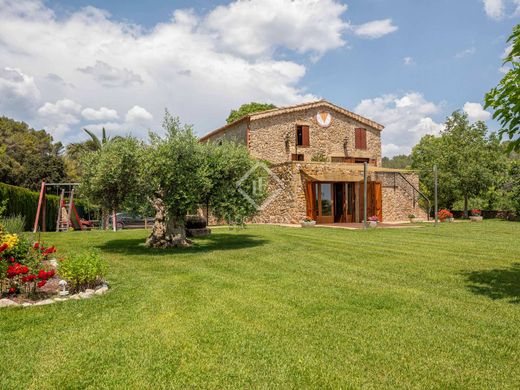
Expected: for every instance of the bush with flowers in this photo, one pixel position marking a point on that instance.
(444, 214)
(476, 213)
(23, 266)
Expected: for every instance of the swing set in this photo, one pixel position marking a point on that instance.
(67, 213)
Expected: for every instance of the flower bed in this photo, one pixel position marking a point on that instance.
(29, 276)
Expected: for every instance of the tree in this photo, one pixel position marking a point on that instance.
(468, 160)
(401, 161)
(249, 108)
(28, 156)
(110, 174)
(75, 152)
(229, 164)
(174, 175)
(504, 99)
(180, 174)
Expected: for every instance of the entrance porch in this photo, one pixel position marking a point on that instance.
(342, 201)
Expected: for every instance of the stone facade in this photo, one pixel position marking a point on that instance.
(290, 206)
(274, 138)
(271, 136)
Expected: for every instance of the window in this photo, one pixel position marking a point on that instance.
(297, 157)
(302, 136)
(361, 138)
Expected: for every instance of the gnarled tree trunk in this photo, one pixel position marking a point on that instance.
(166, 233)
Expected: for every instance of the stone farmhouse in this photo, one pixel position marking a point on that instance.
(317, 151)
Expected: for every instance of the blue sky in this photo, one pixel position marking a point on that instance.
(65, 65)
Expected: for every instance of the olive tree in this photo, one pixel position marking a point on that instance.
(179, 174)
(110, 174)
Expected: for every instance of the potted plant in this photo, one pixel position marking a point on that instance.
(372, 221)
(445, 215)
(307, 222)
(476, 215)
(412, 218)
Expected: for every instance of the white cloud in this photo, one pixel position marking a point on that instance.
(18, 92)
(258, 27)
(498, 9)
(103, 113)
(375, 29)
(408, 61)
(406, 119)
(180, 64)
(138, 114)
(476, 112)
(465, 53)
(60, 115)
(110, 76)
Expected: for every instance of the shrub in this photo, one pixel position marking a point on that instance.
(14, 224)
(319, 157)
(476, 213)
(444, 214)
(373, 218)
(507, 215)
(84, 269)
(195, 222)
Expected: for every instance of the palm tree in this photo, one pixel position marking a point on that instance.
(98, 143)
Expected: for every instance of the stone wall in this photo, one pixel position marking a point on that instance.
(398, 197)
(274, 138)
(236, 133)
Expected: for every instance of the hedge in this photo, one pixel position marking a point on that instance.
(25, 202)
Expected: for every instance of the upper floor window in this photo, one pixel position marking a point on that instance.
(361, 138)
(302, 135)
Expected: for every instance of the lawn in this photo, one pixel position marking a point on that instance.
(275, 307)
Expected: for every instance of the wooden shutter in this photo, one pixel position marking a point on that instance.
(361, 138)
(378, 200)
(305, 136)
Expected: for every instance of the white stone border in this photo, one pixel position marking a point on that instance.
(88, 293)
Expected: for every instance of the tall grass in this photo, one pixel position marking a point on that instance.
(13, 224)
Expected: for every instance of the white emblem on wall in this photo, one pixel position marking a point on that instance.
(323, 118)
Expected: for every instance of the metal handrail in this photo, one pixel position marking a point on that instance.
(419, 192)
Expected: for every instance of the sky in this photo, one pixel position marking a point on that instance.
(407, 64)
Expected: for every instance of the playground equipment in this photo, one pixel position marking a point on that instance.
(67, 213)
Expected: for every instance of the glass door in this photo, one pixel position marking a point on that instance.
(324, 203)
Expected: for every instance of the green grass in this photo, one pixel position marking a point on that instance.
(274, 307)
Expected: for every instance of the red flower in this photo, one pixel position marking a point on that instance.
(24, 269)
(42, 274)
(11, 259)
(48, 251)
(30, 278)
(41, 283)
(12, 290)
(36, 245)
(3, 247)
